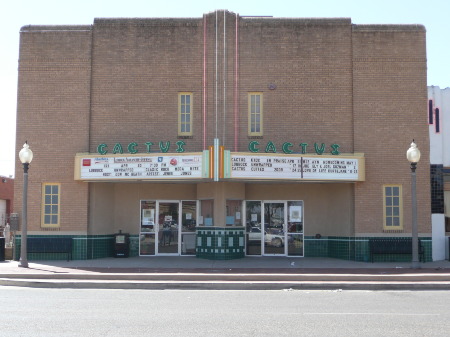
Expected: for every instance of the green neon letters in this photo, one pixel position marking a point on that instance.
(319, 150)
(286, 147)
(270, 148)
(102, 149)
(132, 148)
(118, 148)
(335, 149)
(148, 145)
(253, 146)
(180, 145)
(164, 147)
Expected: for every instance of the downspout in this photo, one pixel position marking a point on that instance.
(224, 75)
(215, 81)
(204, 83)
(236, 83)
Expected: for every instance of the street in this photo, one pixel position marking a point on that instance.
(75, 312)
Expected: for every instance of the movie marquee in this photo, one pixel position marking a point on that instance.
(233, 166)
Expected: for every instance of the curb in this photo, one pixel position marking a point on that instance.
(230, 281)
(226, 285)
(241, 276)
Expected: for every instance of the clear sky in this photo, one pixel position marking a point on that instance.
(433, 14)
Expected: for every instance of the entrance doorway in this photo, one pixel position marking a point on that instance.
(274, 228)
(168, 224)
(167, 227)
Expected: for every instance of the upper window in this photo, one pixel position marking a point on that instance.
(255, 114)
(393, 207)
(185, 114)
(50, 205)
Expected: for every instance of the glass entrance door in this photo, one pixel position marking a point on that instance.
(147, 228)
(295, 228)
(188, 224)
(168, 227)
(274, 228)
(253, 229)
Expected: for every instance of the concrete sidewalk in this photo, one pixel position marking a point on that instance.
(164, 272)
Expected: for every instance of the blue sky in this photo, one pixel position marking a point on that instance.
(433, 14)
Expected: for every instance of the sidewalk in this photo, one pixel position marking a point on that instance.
(274, 273)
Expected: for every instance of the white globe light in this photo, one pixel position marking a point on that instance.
(413, 153)
(26, 155)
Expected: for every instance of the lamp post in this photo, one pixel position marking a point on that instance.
(26, 156)
(413, 155)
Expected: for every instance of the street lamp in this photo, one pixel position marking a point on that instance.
(26, 156)
(413, 155)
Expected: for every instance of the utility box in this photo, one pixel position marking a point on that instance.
(14, 222)
(121, 244)
(2, 249)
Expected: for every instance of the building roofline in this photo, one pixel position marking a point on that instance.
(388, 27)
(54, 28)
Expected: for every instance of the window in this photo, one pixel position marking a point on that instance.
(206, 213)
(185, 114)
(255, 114)
(50, 205)
(233, 213)
(393, 207)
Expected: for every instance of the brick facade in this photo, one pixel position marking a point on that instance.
(389, 100)
(54, 115)
(323, 81)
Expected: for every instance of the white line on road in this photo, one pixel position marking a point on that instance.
(367, 313)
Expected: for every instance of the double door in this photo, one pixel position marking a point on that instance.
(167, 227)
(274, 228)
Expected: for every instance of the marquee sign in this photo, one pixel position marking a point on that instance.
(294, 167)
(150, 167)
(219, 165)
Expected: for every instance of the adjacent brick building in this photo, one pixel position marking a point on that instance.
(6, 199)
(299, 128)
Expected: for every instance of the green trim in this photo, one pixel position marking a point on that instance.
(83, 247)
(220, 243)
(345, 248)
(356, 249)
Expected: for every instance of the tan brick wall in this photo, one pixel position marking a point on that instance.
(389, 104)
(310, 62)
(139, 66)
(53, 115)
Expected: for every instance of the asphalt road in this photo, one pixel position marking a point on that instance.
(93, 312)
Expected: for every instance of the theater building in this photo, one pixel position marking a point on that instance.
(224, 136)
